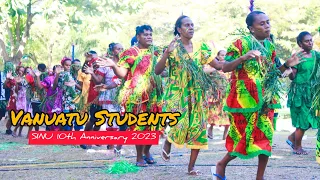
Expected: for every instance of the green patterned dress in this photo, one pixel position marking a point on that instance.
(251, 132)
(318, 147)
(315, 90)
(300, 96)
(184, 95)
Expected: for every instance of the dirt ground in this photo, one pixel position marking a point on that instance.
(18, 160)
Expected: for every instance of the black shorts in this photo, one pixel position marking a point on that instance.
(93, 109)
(123, 127)
(36, 108)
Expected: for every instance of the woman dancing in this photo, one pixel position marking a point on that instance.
(251, 99)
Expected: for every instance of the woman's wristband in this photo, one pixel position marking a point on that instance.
(285, 65)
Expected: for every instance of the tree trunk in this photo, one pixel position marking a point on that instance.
(34, 58)
(18, 44)
(4, 53)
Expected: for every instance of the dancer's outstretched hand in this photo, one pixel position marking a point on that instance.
(105, 62)
(173, 44)
(31, 73)
(100, 87)
(9, 75)
(37, 73)
(88, 69)
(59, 69)
(296, 58)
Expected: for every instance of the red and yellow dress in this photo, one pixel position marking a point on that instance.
(251, 132)
(141, 92)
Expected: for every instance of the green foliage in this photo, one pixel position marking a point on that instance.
(120, 167)
(82, 23)
(93, 24)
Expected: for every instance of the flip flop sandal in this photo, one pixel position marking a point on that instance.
(214, 175)
(290, 144)
(149, 160)
(164, 152)
(142, 164)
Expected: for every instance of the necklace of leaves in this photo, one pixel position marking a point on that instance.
(315, 83)
(200, 78)
(157, 78)
(271, 83)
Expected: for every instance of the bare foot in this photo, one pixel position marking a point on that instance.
(141, 163)
(220, 171)
(194, 172)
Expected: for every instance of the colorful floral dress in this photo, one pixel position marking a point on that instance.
(69, 93)
(107, 99)
(18, 97)
(22, 101)
(75, 78)
(141, 92)
(53, 101)
(315, 90)
(186, 96)
(216, 115)
(251, 132)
